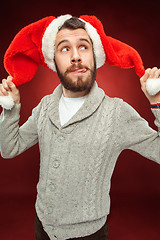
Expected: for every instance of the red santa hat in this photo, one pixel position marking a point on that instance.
(35, 43)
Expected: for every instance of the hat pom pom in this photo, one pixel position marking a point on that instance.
(153, 86)
(7, 102)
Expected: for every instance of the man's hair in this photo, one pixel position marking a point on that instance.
(73, 24)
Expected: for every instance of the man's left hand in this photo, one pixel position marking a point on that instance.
(150, 73)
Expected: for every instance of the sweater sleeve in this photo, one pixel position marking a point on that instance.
(14, 139)
(135, 133)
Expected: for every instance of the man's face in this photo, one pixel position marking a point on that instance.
(75, 60)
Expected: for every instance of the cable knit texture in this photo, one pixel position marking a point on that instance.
(77, 159)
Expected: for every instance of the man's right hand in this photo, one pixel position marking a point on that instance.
(8, 86)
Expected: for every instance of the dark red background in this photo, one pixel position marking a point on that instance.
(135, 191)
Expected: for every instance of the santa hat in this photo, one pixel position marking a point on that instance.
(35, 43)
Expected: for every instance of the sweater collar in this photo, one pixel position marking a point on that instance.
(90, 105)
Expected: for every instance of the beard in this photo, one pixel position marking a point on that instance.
(79, 85)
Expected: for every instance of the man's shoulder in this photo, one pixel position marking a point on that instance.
(118, 103)
(112, 100)
(110, 105)
(53, 96)
(47, 98)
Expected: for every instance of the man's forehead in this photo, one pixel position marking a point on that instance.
(72, 35)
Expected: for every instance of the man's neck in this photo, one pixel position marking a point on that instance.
(70, 94)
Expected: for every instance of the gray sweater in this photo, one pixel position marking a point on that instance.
(77, 159)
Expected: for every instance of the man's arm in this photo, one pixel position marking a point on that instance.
(15, 140)
(135, 133)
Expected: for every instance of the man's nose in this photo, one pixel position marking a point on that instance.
(75, 58)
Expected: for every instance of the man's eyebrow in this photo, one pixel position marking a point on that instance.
(66, 41)
(62, 41)
(85, 39)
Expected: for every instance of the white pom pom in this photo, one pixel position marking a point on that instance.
(6, 102)
(153, 86)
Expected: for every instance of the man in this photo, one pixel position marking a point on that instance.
(81, 133)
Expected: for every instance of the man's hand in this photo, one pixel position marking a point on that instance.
(150, 73)
(8, 86)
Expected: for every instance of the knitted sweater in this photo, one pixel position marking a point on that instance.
(77, 159)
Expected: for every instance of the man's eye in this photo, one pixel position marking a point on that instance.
(83, 47)
(65, 49)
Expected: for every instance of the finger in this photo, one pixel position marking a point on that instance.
(157, 73)
(12, 86)
(9, 78)
(152, 72)
(148, 70)
(5, 85)
(146, 75)
(3, 91)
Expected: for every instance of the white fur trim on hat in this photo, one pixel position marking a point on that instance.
(7, 101)
(97, 44)
(48, 40)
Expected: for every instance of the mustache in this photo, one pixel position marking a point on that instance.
(75, 66)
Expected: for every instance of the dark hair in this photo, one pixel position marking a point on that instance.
(73, 23)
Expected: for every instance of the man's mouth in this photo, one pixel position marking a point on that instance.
(78, 70)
